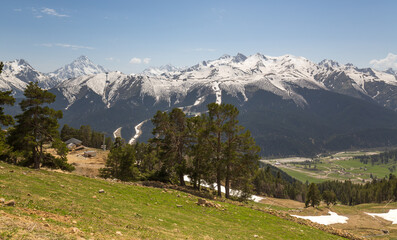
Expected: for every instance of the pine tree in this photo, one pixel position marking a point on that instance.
(313, 196)
(36, 126)
(68, 132)
(329, 197)
(234, 153)
(121, 163)
(198, 151)
(5, 99)
(217, 119)
(172, 138)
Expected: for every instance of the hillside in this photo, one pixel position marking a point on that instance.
(52, 205)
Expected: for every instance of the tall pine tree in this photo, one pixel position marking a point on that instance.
(5, 99)
(36, 126)
(171, 136)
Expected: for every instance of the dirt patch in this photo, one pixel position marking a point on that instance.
(47, 215)
(24, 227)
(287, 203)
(86, 166)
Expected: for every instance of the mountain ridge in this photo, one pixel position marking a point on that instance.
(291, 104)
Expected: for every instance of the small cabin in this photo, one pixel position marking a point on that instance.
(74, 141)
(89, 154)
(73, 144)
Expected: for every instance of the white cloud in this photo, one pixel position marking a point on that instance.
(390, 61)
(146, 60)
(53, 12)
(135, 60)
(64, 45)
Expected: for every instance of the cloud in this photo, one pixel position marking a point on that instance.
(52, 12)
(17, 10)
(65, 45)
(390, 61)
(146, 60)
(135, 60)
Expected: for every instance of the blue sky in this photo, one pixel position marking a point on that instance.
(131, 35)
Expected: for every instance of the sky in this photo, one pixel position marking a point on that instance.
(129, 36)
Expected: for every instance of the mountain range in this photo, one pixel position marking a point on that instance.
(291, 105)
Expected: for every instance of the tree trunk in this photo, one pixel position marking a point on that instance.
(181, 179)
(218, 182)
(194, 182)
(227, 182)
(41, 153)
(36, 159)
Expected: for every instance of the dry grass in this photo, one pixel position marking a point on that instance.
(86, 166)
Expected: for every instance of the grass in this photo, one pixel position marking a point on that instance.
(302, 176)
(53, 205)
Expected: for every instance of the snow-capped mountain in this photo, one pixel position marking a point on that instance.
(156, 71)
(302, 106)
(233, 75)
(391, 71)
(18, 73)
(80, 67)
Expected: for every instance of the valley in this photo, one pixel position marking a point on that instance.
(339, 166)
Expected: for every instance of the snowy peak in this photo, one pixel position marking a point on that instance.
(329, 64)
(391, 71)
(155, 71)
(16, 74)
(79, 67)
(239, 58)
(17, 66)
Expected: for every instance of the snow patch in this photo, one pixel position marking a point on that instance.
(237, 193)
(138, 132)
(117, 133)
(333, 218)
(389, 216)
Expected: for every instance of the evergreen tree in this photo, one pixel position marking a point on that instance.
(234, 153)
(200, 167)
(5, 99)
(313, 196)
(68, 132)
(216, 121)
(85, 134)
(329, 197)
(172, 138)
(121, 163)
(36, 126)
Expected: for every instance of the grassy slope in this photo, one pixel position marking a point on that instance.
(50, 205)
